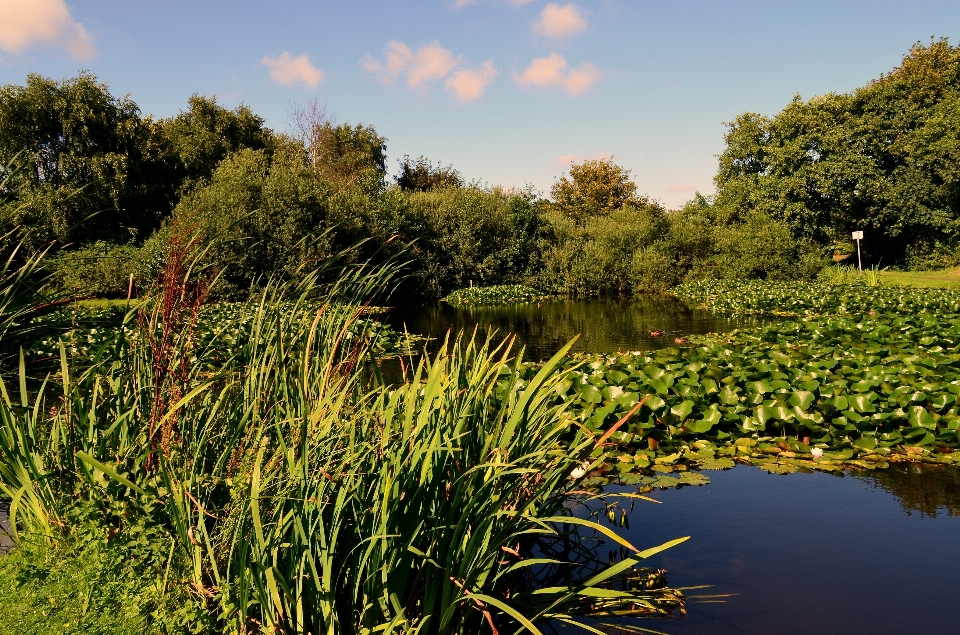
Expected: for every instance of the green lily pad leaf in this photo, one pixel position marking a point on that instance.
(693, 478)
(762, 387)
(762, 414)
(590, 394)
(683, 409)
(729, 397)
(659, 386)
(839, 402)
(802, 399)
(655, 402)
(699, 427)
(719, 463)
(779, 468)
(919, 417)
(611, 393)
(867, 442)
(862, 403)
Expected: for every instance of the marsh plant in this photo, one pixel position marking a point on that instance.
(287, 490)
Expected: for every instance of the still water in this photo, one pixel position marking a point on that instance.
(874, 553)
(604, 325)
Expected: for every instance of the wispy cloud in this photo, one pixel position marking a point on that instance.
(552, 71)
(24, 23)
(468, 84)
(559, 21)
(564, 160)
(682, 187)
(430, 62)
(459, 4)
(288, 70)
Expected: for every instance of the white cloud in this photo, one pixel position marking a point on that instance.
(288, 70)
(468, 84)
(430, 62)
(24, 23)
(559, 21)
(459, 4)
(552, 71)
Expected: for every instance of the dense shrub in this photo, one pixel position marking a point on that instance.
(100, 269)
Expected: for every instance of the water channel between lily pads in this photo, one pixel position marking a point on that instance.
(872, 552)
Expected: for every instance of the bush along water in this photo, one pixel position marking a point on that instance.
(499, 294)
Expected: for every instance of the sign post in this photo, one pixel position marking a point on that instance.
(858, 236)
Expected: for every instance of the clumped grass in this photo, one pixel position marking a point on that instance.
(299, 495)
(499, 294)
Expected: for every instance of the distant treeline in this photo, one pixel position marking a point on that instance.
(86, 172)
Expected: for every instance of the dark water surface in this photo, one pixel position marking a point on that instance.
(604, 325)
(873, 553)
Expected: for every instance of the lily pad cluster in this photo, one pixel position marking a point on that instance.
(801, 298)
(499, 294)
(818, 393)
(220, 325)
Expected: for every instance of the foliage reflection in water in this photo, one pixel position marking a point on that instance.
(604, 325)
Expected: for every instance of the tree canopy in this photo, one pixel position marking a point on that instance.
(884, 158)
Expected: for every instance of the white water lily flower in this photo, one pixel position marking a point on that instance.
(578, 472)
(816, 452)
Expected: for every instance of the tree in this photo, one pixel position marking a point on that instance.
(594, 188)
(883, 158)
(202, 136)
(421, 175)
(93, 162)
(350, 154)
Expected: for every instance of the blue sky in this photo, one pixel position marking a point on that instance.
(507, 91)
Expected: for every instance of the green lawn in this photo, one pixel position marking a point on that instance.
(943, 278)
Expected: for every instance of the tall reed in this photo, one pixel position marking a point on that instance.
(302, 495)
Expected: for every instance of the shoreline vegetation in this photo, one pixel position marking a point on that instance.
(195, 435)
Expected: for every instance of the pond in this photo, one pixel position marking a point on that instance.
(871, 552)
(604, 325)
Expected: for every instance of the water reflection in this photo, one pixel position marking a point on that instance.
(927, 489)
(605, 325)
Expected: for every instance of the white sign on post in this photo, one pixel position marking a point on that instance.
(858, 236)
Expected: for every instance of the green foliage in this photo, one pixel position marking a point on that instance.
(264, 217)
(354, 155)
(297, 492)
(466, 234)
(421, 175)
(95, 586)
(594, 188)
(499, 294)
(872, 388)
(205, 134)
(93, 162)
(653, 270)
(757, 297)
(597, 256)
(100, 269)
(881, 159)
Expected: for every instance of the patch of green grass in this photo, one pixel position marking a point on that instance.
(942, 279)
(93, 588)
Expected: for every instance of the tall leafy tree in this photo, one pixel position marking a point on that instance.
(882, 158)
(92, 161)
(595, 188)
